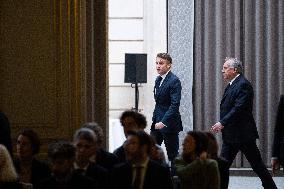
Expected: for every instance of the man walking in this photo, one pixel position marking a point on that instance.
(166, 117)
(238, 127)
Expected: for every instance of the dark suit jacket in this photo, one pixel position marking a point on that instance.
(278, 142)
(156, 177)
(167, 98)
(99, 174)
(120, 153)
(10, 185)
(39, 172)
(236, 112)
(5, 132)
(106, 159)
(74, 181)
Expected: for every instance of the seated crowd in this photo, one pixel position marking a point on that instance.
(139, 163)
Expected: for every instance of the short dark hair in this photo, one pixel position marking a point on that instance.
(34, 139)
(165, 56)
(61, 150)
(139, 118)
(201, 141)
(143, 137)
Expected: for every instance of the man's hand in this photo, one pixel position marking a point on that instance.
(159, 125)
(217, 127)
(274, 165)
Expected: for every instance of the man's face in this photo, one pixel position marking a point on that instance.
(228, 72)
(162, 66)
(61, 167)
(129, 124)
(84, 149)
(133, 151)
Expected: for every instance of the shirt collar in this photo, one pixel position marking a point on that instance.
(76, 166)
(143, 164)
(165, 75)
(234, 79)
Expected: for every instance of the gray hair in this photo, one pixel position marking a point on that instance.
(94, 126)
(235, 63)
(86, 134)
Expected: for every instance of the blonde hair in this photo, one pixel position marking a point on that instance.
(7, 169)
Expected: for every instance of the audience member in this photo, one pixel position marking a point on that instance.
(8, 175)
(5, 133)
(223, 165)
(85, 142)
(102, 157)
(30, 169)
(62, 156)
(193, 168)
(130, 120)
(140, 171)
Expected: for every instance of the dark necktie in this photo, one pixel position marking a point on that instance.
(137, 184)
(159, 79)
(227, 87)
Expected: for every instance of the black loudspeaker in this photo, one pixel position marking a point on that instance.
(135, 68)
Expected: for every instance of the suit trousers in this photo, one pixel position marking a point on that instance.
(251, 151)
(171, 142)
(281, 155)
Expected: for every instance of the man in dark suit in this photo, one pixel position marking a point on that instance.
(278, 143)
(140, 172)
(85, 142)
(238, 127)
(62, 155)
(130, 120)
(102, 157)
(166, 117)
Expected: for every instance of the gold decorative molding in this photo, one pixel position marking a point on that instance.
(54, 65)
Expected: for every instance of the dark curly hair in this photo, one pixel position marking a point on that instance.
(201, 141)
(61, 150)
(34, 139)
(139, 118)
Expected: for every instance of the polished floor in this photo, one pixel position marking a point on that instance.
(245, 182)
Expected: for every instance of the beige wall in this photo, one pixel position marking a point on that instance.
(135, 26)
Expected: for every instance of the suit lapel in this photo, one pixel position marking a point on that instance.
(147, 179)
(159, 89)
(226, 92)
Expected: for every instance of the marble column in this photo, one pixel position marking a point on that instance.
(180, 46)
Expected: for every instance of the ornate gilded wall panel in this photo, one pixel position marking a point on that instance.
(40, 68)
(53, 57)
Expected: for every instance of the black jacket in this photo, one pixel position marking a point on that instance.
(156, 177)
(236, 112)
(40, 171)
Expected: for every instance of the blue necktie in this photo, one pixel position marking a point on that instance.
(159, 79)
(227, 87)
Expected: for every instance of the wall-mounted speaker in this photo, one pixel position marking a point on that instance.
(135, 68)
